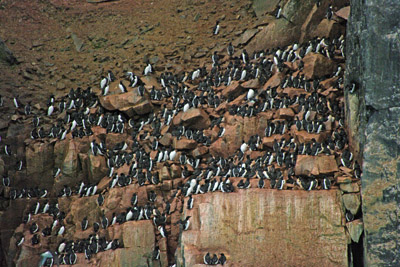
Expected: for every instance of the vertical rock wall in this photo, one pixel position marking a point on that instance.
(254, 227)
(373, 61)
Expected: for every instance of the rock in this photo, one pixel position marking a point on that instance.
(60, 86)
(349, 187)
(355, 229)
(130, 103)
(329, 29)
(39, 165)
(343, 13)
(267, 224)
(271, 36)
(251, 84)
(166, 139)
(27, 76)
(352, 202)
(77, 42)
(315, 165)
(97, 168)
(245, 37)
(185, 144)
(317, 65)
(233, 90)
(6, 55)
(285, 113)
(343, 180)
(196, 118)
(261, 7)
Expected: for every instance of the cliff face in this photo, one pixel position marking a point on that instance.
(281, 228)
(373, 64)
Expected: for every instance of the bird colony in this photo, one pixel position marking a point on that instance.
(190, 112)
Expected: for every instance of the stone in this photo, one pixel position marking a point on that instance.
(261, 7)
(251, 84)
(166, 139)
(245, 37)
(271, 36)
(329, 29)
(77, 42)
(315, 165)
(39, 165)
(196, 118)
(6, 55)
(352, 202)
(317, 65)
(343, 13)
(267, 223)
(343, 180)
(285, 113)
(350, 187)
(185, 144)
(130, 103)
(60, 86)
(233, 90)
(355, 228)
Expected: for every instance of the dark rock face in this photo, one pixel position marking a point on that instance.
(6, 55)
(372, 113)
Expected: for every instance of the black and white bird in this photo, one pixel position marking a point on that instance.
(148, 69)
(184, 223)
(216, 28)
(122, 87)
(230, 49)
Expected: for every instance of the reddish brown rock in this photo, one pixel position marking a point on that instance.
(343, 13)
(233, 90)
(329, 29)
(196, 118)
(317, 65)
(166, 139)
(245, 37)
(271, 35)
(39, 164)
(130, 103)
(285, 113)
(251, 84)
(199, 151)
(184, 144)
(305, 137)
(267, 223)
(343, 180)
(275, 80)
(315, 165)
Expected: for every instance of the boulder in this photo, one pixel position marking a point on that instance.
(329, 29)
(315, 165)
(184, 144)
(245, 37)
(196, 119)
(262, 7)
(352, 202)
(233, 90)
(317, 65)
(343, 13)
(251, 84)
(355, 228)
(6, 55)
(130, 103)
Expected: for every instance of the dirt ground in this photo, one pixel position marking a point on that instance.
(118, 35)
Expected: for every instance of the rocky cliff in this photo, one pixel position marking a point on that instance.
(242, 129)
(372, 65)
